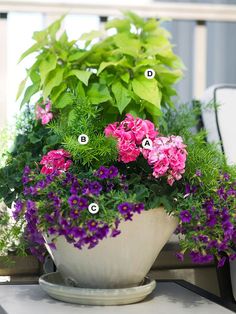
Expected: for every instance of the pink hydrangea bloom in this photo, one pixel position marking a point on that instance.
(44, 114)
(55, 160)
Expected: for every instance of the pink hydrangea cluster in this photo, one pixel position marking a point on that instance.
(167, 157)
(55, 160)
(44, 114)
(130, 133)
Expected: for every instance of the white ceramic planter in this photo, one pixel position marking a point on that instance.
(119, 262)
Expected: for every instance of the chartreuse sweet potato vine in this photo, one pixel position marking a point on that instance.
(110, 72)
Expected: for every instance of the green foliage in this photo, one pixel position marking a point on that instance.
(85, 119)
(111, 71)
(203, 156)
(30, 143)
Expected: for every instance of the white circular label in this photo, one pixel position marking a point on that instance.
(93, 208)
(147, 143)
(149, 73)
(83, 139)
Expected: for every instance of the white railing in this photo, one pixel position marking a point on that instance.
(200, 13)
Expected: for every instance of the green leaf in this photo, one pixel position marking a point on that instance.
(150, 25)
(54, 79)
(47, 65)
(30, 91)
(135, 19)
(127, 44)
(40, 36)
(104, 65)
(32, 49)
(54, 27)
(64, 100)
(98, 93)
(120, 25)
(147, 89)
(88, 37)
(21, 88)
(121, 95)
(33, 138)
(125, 77)
(83, 76)
(56, 92)
(77, 55)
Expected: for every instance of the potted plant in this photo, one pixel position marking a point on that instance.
(122, 176)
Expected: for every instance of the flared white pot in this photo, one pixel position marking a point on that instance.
(118, 262)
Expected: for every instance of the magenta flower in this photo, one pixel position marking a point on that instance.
(44, 113)
(55, 160)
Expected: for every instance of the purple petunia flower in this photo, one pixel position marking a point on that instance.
(203, 238)
(52, 230)
(79, 202)
(185, 216)
(95, 188)
(102, 232)
(128, 216)
(75, 213)
(199, 258)
(138, 208)
(73, 200)
(77, 232)
(52, 246)
(125, 208)
(221, 262)
(102, 173)
(112, 172)
(18, 208)
(49, 218)
(75, 187)
(110, 186)
(198, 173)
(92, 241)
(180, 256)
(115, 233)
(92, 225)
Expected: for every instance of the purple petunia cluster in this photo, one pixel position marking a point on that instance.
(209, 227)
(57, 205)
